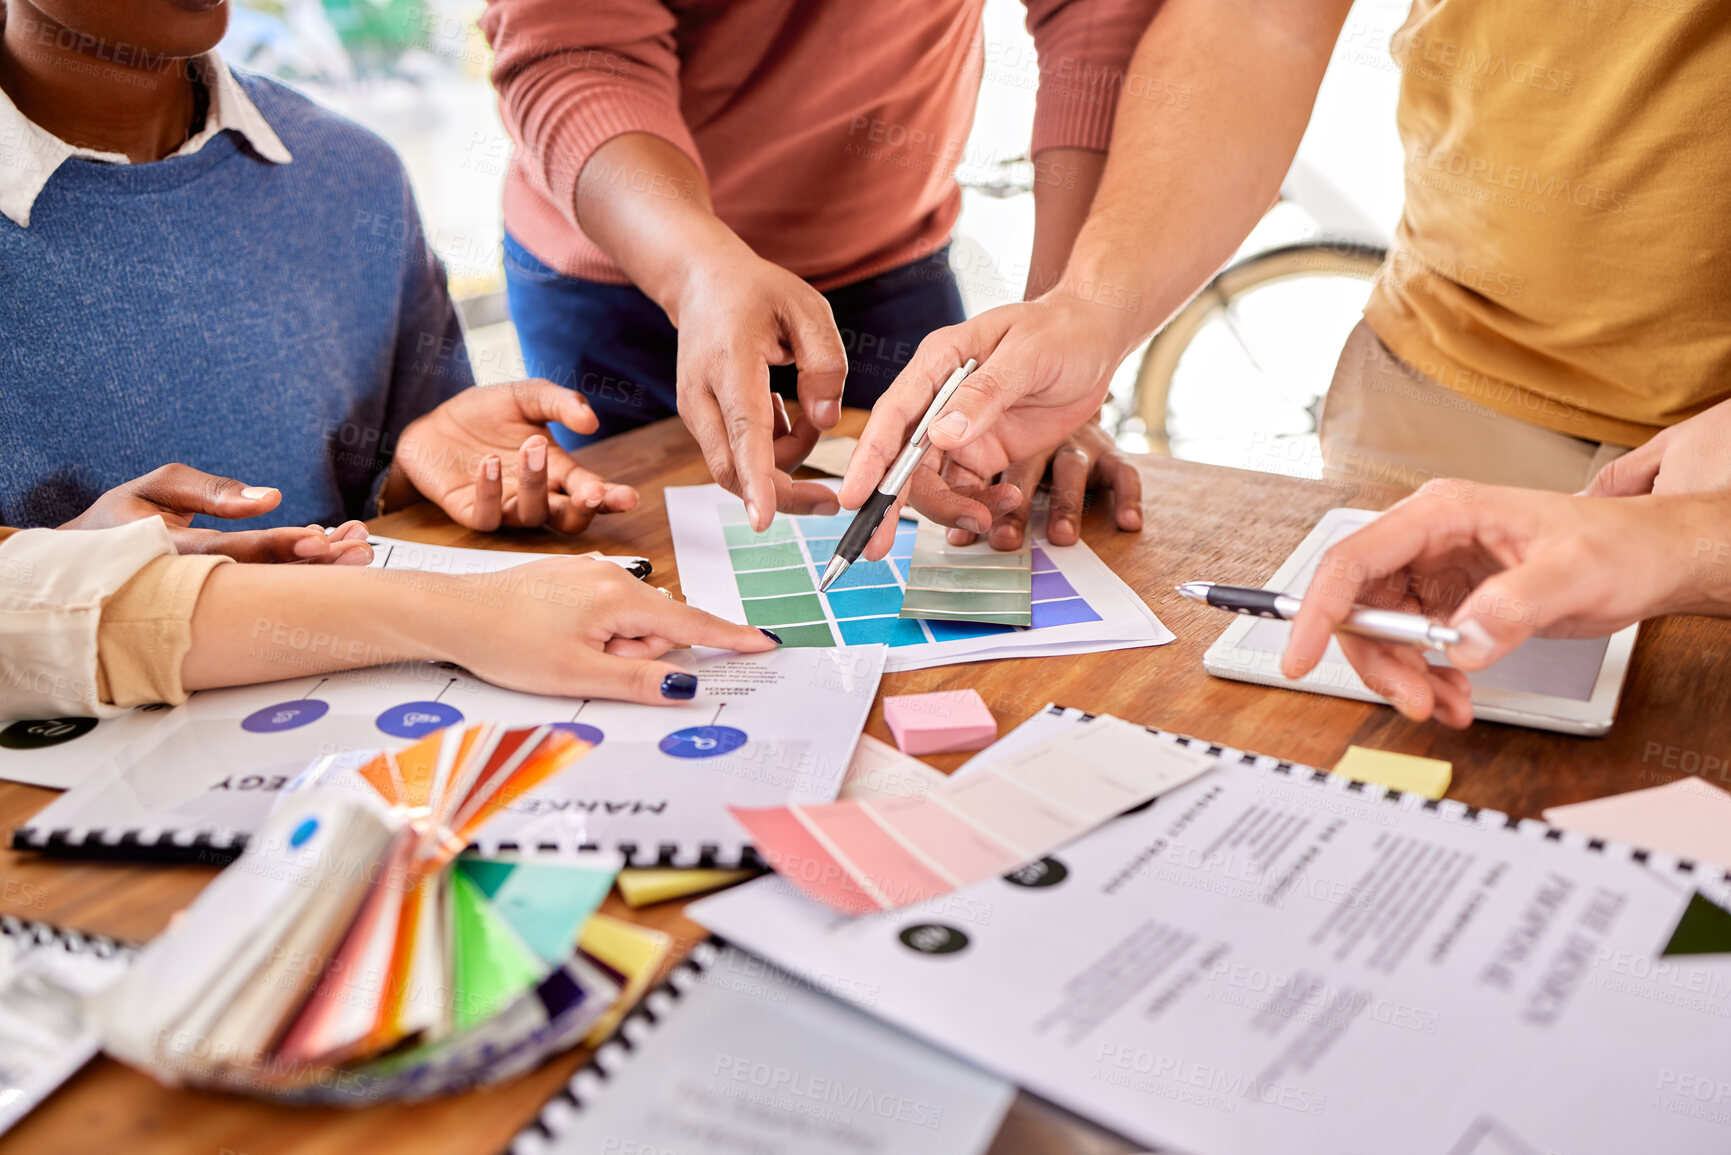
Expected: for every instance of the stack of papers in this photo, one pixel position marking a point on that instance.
(352, 954)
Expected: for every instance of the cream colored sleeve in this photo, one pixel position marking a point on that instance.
(54, 588)
(146, 630)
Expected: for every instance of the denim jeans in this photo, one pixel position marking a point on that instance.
(616, 346)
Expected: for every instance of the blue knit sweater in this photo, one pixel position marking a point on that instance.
(275, 323)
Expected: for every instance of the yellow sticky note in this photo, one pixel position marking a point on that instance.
(1415, 775)
(634, 951)
(645, 885)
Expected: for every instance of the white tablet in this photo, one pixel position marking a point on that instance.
(1570, 685)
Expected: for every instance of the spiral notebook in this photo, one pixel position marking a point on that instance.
(1276, 957)
(46, 974)
(764, 729)
(733, 1054)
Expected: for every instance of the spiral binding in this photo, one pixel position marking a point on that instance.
(642, 1020)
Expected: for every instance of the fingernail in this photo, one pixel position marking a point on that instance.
(952, 425)
(826, 413)
(255, 492)
(537, 457)
(680, 687)
(309, 547)
(1064, 524)
(770, 634)
(969, 524)
(492, 469)
(1475, 645)
(751, 513)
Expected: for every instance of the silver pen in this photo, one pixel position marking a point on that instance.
(1366, 621)
(871, 514)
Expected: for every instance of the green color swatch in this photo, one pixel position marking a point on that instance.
(492, 966)
(770, 582)
(1705, 928)
(785, 610)
(546, 902)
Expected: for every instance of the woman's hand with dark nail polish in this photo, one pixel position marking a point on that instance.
(679, 687)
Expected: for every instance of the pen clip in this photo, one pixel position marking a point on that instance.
(945, 392)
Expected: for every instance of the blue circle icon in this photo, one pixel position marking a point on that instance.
(304, 831)
(417, 719)
(703, 741)
(285, 716)
(581, 731)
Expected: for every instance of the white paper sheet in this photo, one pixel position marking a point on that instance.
(763, 729)
(1080, 605)
(46, 1029)
(395, 553)
(748, 1059)
(1260, 964)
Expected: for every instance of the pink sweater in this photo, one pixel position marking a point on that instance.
(829, 130)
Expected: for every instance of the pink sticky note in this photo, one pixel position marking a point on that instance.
(940, 723)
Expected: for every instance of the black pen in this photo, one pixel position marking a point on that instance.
(871, 514)
(1366, 621)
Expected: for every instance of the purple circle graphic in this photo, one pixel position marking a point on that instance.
(285, 716)
(417, 719)
(581, 731)
(703, 741)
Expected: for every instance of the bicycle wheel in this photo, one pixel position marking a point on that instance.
(1151, 395)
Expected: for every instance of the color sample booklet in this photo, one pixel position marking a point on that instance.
(1079, 606)
(1271, 958)
(764, 729)
(737, 1056)
(351, 956)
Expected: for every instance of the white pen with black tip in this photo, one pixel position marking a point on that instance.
(1365, 621)
(871, 514)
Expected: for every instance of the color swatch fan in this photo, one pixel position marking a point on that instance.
(353, 954)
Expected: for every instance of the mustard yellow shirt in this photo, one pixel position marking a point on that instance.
(1565, 252)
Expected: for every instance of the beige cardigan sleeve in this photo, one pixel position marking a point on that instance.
(94, 621)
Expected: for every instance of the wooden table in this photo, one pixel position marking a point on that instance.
(1202, 521)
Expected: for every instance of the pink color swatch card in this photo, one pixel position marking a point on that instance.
(882, 854)
(1689, 818)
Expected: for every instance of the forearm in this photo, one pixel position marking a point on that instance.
(645, 204)
(1187, 178)
(1703, 545)
(1065, 180)
(257, 623)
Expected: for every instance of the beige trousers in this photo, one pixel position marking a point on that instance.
(1386, 425)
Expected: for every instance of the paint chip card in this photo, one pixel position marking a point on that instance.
(870, 855)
